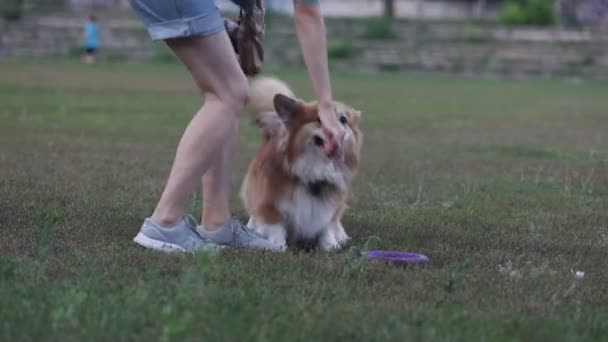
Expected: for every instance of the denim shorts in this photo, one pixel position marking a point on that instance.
(167, 19)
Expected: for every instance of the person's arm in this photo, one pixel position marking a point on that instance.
(310, 28)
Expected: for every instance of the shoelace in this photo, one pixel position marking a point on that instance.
(236, 227)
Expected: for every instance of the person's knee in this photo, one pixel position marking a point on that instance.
(235, 94)
(238, 94)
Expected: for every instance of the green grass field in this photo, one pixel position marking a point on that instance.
(503, 184)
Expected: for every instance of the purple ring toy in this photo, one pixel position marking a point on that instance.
(398, 257)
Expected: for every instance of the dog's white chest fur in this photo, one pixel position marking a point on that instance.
(306, 215)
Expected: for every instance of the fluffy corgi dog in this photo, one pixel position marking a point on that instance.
(295, 190)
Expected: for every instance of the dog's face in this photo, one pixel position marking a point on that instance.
(302, 140)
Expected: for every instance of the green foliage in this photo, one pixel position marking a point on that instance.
(379, 28)
(528, 12)
(11, 9)
(341, 49)
(540, 12)
(512, 14)
(355, 260)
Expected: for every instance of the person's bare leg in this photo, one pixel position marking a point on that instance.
(216, 186)
(213, 65)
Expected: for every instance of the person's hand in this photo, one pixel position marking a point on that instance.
(332, 128)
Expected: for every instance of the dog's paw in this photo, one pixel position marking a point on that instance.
(275, 234)
(328, 241)
(341, 235)
(281, 243)
(260, 231)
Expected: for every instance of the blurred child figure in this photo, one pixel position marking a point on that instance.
(91, 40)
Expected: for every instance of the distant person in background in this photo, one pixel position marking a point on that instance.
(91, 40)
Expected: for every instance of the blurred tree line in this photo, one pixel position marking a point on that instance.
(571, 13)
(528, 12)
(15, 9)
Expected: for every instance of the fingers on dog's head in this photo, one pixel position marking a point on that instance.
(347, 115)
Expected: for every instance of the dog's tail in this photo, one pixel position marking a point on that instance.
(260, 108)
(261, 95)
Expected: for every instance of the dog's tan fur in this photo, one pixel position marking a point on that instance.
(292, 191)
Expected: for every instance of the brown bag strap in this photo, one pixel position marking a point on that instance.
(246, 34)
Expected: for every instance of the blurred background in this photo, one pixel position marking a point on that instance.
(505, 37)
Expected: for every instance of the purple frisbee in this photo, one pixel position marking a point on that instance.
(398, 257)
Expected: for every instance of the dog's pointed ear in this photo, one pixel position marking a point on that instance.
(286, 107)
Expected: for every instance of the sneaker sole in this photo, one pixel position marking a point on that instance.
(156, 245)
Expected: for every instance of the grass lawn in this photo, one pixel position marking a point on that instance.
(502, 184)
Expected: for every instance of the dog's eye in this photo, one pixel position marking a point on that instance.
(318, 140)
(343, 119)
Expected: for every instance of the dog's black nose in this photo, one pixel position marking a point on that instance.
(318, 140)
